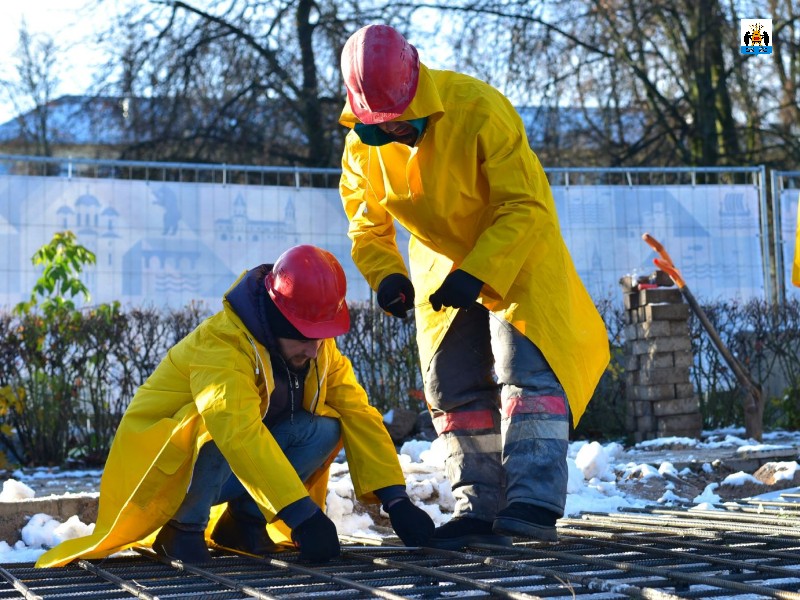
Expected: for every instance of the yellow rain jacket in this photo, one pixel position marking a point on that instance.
(473, 196)
(216, 383)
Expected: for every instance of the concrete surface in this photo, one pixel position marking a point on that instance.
(14, 515)
(748, 461)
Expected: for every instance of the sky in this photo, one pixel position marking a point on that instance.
(68, 23)
(597, 477)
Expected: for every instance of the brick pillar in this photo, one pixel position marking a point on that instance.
(660, 396)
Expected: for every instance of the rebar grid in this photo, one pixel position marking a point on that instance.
(733, 552)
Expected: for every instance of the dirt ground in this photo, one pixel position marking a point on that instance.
(692, 482)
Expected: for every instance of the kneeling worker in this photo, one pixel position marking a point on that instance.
(249, 409)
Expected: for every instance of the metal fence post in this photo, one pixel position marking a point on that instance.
(766, 259)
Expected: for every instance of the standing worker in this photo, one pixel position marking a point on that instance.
(249, 409)
(511, 344)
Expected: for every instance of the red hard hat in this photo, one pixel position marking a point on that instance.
(381, 72)
(308, 286)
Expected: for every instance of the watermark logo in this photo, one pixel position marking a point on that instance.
(755, 36)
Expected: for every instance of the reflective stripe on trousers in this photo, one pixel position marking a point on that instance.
(502, 415)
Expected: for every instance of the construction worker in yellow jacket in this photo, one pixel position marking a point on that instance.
(249, 409)
(511, 344)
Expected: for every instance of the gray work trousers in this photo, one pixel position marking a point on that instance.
(502, 414)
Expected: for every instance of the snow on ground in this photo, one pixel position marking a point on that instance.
(598, 474)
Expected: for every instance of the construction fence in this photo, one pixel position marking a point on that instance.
(785, 195)
(166, 234)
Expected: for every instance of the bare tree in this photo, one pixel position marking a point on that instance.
(621, 82)
(32, 90)
(240, 80)
(604, 82)
(786, 40)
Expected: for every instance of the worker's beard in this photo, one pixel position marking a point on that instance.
(297, 363)
(297, 354)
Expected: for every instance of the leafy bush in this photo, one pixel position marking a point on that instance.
(766, 340)
(384, 354)
(40, 380)
(605, 416)
(68, 374)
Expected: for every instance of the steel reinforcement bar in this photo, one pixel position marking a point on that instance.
(659, 553)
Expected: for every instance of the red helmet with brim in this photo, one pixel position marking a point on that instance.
(308, 286)
(381, 73)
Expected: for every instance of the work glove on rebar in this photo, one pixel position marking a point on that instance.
(396, 295)
(411, 524)
(316, 538)
(459, 290)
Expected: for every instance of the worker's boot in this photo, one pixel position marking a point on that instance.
(465, 531)
(247, 535)
(182, 544)
(528, 521)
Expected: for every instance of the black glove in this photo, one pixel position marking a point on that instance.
(411, 524)
(396, 295)
(316, 538)
(459, 290)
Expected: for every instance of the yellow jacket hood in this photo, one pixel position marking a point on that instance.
(426, 103)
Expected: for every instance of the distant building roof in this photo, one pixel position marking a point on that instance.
(74, 120)
(103, 121)
(543, 123)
